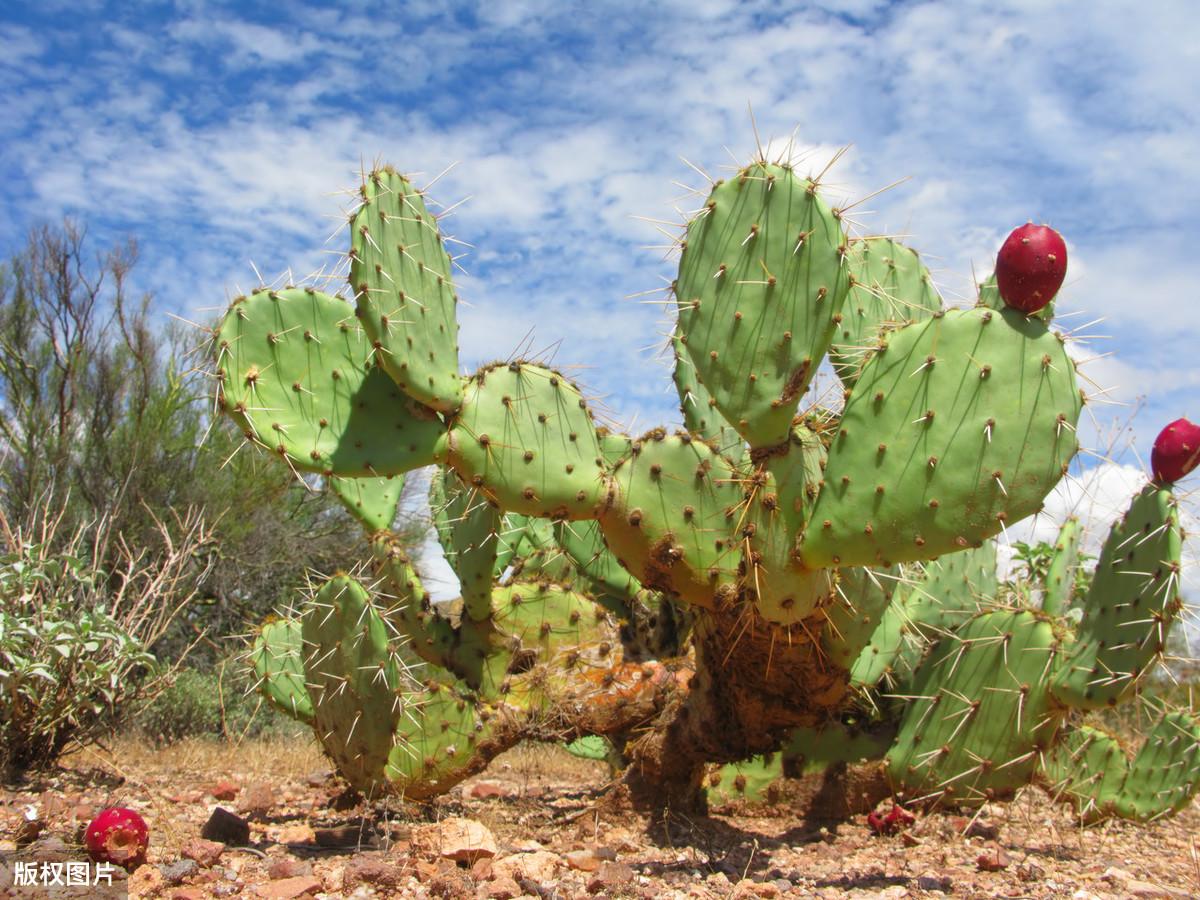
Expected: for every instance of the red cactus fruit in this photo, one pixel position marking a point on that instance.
(1031, 266)
(877, 823)
(1176, 451)
(118, 836)
(896, 820)
(899, 817)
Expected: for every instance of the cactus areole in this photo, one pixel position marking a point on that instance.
(1176, 451)
(118, 836)
(1031, 266)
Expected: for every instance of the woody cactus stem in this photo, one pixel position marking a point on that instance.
(741, 554)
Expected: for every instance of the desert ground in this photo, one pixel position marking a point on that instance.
(540, 824)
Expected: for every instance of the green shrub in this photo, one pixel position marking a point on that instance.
(74, 637)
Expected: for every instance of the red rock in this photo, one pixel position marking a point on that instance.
(224, 790)
(288, 888)
(286, 867)
(257, 801)
(462, 840)
(188, 893)
(204, 852)
(481, 869)
(540, 866)
(374, 872)
(611, 876)
(993, 860)
(502, 888)
(486, 790)
(583, 860)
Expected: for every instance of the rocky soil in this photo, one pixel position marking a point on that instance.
(270, 821)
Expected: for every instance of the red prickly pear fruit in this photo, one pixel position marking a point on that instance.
(1176, 451)
(118, 836)
(1031, 266)
(899, 817)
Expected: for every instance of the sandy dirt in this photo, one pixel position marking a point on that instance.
(537, 825)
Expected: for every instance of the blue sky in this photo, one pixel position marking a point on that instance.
(218, 134)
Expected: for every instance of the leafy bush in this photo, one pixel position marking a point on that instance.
(75, 638)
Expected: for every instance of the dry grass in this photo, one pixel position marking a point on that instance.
(266, 759)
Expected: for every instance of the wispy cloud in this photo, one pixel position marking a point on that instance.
(217, 136)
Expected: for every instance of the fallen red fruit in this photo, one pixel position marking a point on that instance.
(899, 817)
(896, 820)
(1176, 451)
(118, 836)
(1031, 266)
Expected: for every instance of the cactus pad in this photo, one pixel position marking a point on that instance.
(890, 287)
(525, 438)
(1060, 576)
(296, 367)
(761, 283)
(437, 738)
(278, 659)
(401, 276)
(372, 501)
(958, 425)
(356, 681)
(981, 715)
(1133, 599)
(670, 516)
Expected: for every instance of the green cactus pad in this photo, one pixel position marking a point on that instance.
(860, 601)
(980, 714)
(278, 659)
(1087, 767)
(962, 423)
(546, 618)
(1165, 774)
(953, 588)
(699, 410)
(761, 282)
(671, 511)
(779, 497)
(934, 600)
(525, 438)
(590, 746)
(807, 750)
(355, 679)
(437, 738)
(512, 530)
(876, 659)
(891, 287)
(1131, 604)
(296, 367)
(584, 544)
(401, 276)
(1060, 576)
(372, 501)
(468, 526)
(755, 781)
(408, 612)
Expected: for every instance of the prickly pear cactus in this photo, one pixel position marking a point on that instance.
(774, 569)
